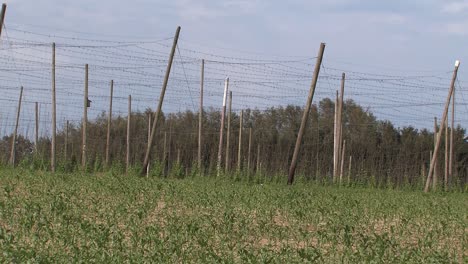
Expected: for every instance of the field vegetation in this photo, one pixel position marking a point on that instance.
(110, 217)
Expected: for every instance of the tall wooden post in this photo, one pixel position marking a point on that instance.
(436, 166)
(228, 137)
(200, 118)
(335, 140)
(127, 159)
(36, 134)
(446, 167)
(221, 129)
(161, 99)
(439, 136)
(54, 114)
(249, 151)
(342, 161)
(66, 141)
(15, 132)
(450, 173)
(85, 121)
(2, 17)
(340, 122)
(292, 169)
(109, 123)
(239, 150)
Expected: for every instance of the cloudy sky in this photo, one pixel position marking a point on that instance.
(386, 37)
(409, 34)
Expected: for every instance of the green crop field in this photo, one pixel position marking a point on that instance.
(109, 218)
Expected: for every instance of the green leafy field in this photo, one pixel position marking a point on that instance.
(106, 218)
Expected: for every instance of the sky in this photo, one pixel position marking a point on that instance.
(407, 34)
(384, 37)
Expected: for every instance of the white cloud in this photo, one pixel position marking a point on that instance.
(455, 7)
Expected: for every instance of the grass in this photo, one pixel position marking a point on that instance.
(105, 218)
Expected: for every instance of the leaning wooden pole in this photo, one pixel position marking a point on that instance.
(85, 121)
(446, 169)
(2, 17)
(200, 118)
(54, 115)
(221, 129)
(15, 132)
(109, 123)
(439, 135)
(127, 158)
(228, 136)
(452, 125)
(292, 169)
(161, 99)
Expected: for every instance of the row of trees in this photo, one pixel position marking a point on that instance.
(381, 153)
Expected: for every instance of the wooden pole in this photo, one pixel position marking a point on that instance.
(446, 168)
(36, 134)
(340, 122)
(444, 116)
(239, 151)
(450, 173)
(221, 129)
(161, 99)
(54, 114)
(342, 161)
(335, 140)
(15, 132)
(200, 118)
(109, 123)
(436, 166)
(85, 120)
(349, 169)
(249, 151)
(2, 17)
(228, 137)
(127, 159)
(292, 169)
(149, 136)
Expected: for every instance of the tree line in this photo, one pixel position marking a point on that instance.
(380, 153)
